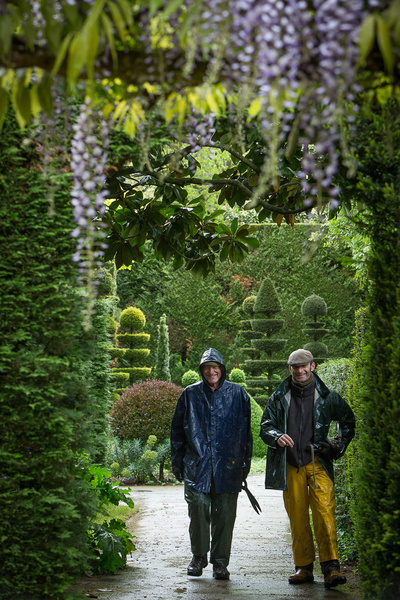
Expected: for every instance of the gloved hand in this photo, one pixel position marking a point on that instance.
(178, 474)
(333, 449)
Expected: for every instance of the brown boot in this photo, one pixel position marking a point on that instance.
(301, 576)
(333, 579)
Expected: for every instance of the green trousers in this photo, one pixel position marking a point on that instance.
(211, 512)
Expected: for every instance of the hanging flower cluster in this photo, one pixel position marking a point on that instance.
(88, 162)
(201, 129)
(299, 58)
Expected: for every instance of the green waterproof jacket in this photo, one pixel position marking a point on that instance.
(328, 407)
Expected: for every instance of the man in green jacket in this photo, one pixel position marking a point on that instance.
(295, 426)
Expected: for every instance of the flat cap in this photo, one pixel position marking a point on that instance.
(300, 357)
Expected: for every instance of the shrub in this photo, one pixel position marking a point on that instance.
(238, 376)
(190, 377)
(132, 320)
(54, 383)
(259, 448)
(145, 409)
(140, 461)
(313, 307)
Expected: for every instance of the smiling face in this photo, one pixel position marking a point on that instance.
(212, 373)
(300, 373)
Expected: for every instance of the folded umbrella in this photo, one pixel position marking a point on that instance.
(253, 500)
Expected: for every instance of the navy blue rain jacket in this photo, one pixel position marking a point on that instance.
(211, 433)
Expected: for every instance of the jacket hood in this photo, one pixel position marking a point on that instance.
(212, 355)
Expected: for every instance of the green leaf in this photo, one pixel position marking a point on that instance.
(234, 225)
(385, 45)
(4, 102)
(250, 241)
(367, 36)
(118, 20)
(93, 45)
(154, 6)
(110, 36)
(45, 95)
(224, 252)
(21, 102)
(62, 52)
(126, 11)
(172, 7)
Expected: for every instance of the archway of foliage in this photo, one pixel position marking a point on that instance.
(290, 71)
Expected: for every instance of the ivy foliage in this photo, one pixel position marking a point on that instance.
(52, 399)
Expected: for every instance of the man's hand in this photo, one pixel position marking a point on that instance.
(285, 440)
(178, 474)
(332, 450)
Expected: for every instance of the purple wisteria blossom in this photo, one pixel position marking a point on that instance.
(88, 162)
(299, 58)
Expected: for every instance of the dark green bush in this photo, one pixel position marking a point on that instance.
(53, 383)
(145, 409)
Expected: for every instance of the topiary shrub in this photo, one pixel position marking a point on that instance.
(132, 319)
(190, 377)
(238, 376)
(314, 306)
(145, 409)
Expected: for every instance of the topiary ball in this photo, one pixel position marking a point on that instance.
(314, 306)
(132, 319)
(238, 376)
(145, 409)
(317, 349)
(190, 377)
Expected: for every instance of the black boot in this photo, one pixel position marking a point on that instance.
(196, 565)
(220, 571)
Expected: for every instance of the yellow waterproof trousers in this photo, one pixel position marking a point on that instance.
(300, 495)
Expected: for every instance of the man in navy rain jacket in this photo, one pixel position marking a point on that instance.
(211, 448)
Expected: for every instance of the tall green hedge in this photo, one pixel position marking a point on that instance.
(378, 479)
(50, 410)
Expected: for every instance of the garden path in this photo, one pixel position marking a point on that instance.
(260, 563)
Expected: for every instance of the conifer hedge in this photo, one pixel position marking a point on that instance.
(50, 410)
(377, 484)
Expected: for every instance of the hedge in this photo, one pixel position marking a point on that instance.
(52, 399)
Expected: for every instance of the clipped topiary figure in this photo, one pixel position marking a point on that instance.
(161, 368)
(132, 320)
(238, 376)
(265, 325)
(314, 308)
(190, 377)
(145, 409)
(130, 348)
